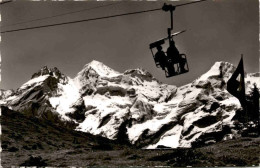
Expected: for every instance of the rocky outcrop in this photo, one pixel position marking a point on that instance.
(4, 94)
(32, 98)
(54, 72)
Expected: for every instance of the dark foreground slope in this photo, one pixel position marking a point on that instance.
(24, 136)
(29, 141)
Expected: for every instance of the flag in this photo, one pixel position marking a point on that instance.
(236, 84)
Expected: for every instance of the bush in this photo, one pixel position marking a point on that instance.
(134, 157)
(233, 160)
(126, 152)
(102, 147)
(34, 161)
(4, 146)
(180, 157)
(13, 149)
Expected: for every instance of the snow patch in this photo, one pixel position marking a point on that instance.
(37, 80)
(169, 139)
(69, 95)
(101, 69)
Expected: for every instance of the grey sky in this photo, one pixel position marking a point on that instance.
(219, 30)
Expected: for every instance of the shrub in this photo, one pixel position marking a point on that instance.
(34, 161)
(13, 149)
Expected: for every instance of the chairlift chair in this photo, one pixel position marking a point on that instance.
(175, 68)
(172, 68)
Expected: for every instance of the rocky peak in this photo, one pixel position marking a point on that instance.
(87, 79)
(219, 70)
(140, 73)
(54, 72)
(96, 68)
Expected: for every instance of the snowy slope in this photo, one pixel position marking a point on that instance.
(183, 122)
(113, 98)
(250, 80)
(133, 106)
(33, 97)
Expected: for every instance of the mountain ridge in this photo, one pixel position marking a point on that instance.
(134, 106)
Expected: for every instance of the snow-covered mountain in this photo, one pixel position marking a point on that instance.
(133, 106)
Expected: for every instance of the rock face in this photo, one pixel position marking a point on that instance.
(4, 94)
(32, 98)
(133, 106)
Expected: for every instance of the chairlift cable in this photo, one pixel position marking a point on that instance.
(97, 18)
(189, 3)
(78, 21)
(62, 14)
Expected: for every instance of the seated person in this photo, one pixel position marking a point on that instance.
(161, 57)
(175, 57)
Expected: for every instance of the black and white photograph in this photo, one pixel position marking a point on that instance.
(129, 83)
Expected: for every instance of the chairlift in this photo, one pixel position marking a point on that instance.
(172, 67)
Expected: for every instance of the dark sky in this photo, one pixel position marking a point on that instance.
(219, 30)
